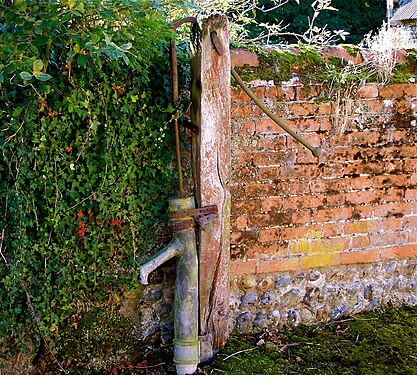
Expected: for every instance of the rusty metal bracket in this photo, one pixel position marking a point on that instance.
(195, 212)
(217, 43)
(201, 216)
(178, 226)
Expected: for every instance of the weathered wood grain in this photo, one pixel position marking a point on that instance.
(211, 149)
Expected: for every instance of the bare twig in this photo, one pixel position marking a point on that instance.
(239, 352)
(1, 247)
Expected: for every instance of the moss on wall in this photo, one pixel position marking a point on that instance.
(314, 65)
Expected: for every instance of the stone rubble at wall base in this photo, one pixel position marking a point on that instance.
(319, 295)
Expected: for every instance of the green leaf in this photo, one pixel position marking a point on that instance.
(82, 61)
(26, 76)
(43, 77)
(37, 66)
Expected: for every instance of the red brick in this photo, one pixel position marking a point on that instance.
(326, 124)
(273, 142)
(399, 252)
(303, 202)
(244, 238)
(324, 109)
(335, 199)
(368, 90)
(393, 223)
(314, 139)
(240, 222)
(408, 151)
(384, 181)
(244, 174)
(375, 106)
(297, 172)
(242, 159)
(392, 195)
(333, 214)
(300, 232)
(359, 242)
(270, 220)
(299, 187)
(242, 267)
(267, 189)
(362, 197)
(360, 257)
(402, 106)
(270, 235)
(269, 126)
(334, 170)
(272, 204)
(410, 221)
(389, 238)
(332, 229)
(397, 90)
(318, 186)
(278, 265)
(394, 166)
(337, 244)
(309, 124)
(265, 251)
(302, 109)
(411, 194)
(308, 92)
(410, 165)
(238, 192)
(243, 111)
(301, 217)
(357, 227)
(272, 158)
(269, 173)
(241, 57)
(246, 207)
(401, 136)
(391, 209)
(361, 182)
(248, 127)
(238, 95)
(362, 212)
(365, 138)
(304, 156)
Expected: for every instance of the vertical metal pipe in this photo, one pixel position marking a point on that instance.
(175, 98)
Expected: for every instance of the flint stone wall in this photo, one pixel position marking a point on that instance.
(316, 295)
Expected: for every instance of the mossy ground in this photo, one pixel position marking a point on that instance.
(379, 342)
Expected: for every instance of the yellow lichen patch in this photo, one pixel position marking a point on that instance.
(314, 243)
(300, 246)
(319, 260)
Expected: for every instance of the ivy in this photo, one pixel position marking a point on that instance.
(85, 153)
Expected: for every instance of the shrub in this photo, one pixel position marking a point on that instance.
(84, 157)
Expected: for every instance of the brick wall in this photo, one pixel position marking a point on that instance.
(355, 204)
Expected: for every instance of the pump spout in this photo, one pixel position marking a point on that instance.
(171, 250)
(183, 246)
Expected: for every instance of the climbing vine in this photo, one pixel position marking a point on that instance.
(85, 153)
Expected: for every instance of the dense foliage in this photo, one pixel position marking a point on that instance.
(358, 17)
(84, 157)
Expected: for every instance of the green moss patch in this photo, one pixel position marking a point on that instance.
(379, 342)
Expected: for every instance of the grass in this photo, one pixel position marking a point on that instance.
(379, 342)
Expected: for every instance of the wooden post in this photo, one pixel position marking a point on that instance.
(210, 111)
